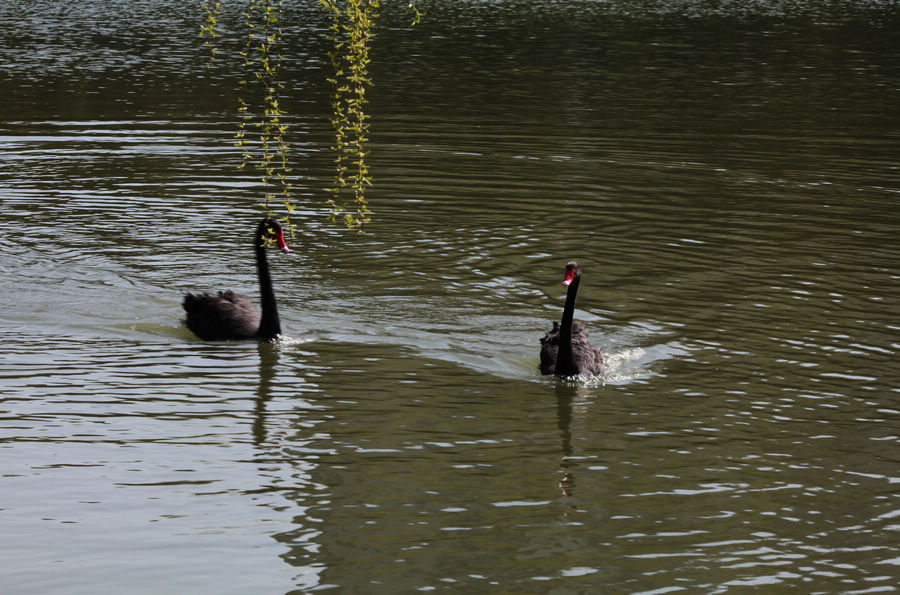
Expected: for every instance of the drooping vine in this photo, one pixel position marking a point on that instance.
(415, 14)
(259, 109)
(261, 134)
(351, 33)
(208, 28)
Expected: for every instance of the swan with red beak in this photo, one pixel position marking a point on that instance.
(230, 316)
(565, 349)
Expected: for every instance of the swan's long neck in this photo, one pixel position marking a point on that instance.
(269, 324)
(565, 360)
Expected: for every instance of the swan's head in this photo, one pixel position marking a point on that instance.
(573, 272)
(271, 230)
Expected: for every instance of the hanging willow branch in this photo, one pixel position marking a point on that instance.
(267, 149)
(208, 28)
(261, 134)
(415, 15)
(351, 33)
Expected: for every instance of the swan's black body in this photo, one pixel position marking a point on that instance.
(231, 316)
(565, 349)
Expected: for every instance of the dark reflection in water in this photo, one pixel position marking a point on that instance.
(726, 173)
(564, 396)
(268, 363)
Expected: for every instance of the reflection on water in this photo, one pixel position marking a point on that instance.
(725, 173)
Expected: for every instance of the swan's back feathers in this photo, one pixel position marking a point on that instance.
(588, 359)
(228, 315)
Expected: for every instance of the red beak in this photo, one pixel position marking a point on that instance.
(282, 245)
(570, 276)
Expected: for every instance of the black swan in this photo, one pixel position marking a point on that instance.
(231, 316)
(565, 349)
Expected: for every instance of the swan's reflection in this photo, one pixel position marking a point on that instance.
(568, 396)
(268, 361)
(283, 470)
(565, 394)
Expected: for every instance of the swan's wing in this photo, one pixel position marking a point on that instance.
(579, 331)
(227, 315)
(552, 336)
(549, 350)
(238, 314)
(588, 358)
(238, 299)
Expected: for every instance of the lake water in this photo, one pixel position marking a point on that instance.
(726, 173)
